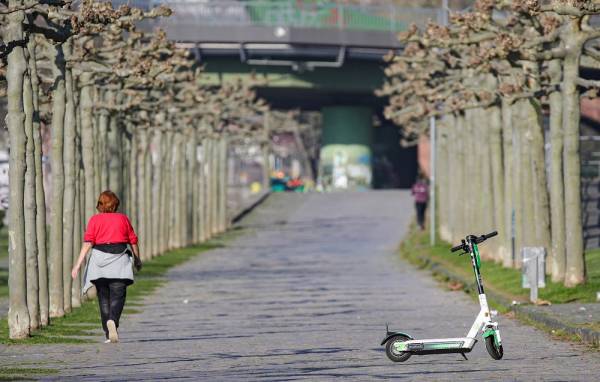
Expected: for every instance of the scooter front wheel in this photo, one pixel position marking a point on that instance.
(495, 351)
(392, 353)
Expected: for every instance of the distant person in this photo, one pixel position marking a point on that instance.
(420, 191)
(111, 238)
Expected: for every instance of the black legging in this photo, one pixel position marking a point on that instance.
(111, 298)
(421, 207)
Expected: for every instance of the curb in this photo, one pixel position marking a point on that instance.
(586, 335)
(239, 215)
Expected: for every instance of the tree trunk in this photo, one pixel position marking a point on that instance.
(56, 209)
(223, 172)
(575, 265)
(18, 315)
(77, 231)
(509, 206)
(202, 194)
(167, 210)
(181, 205)
(541, 207)
(460, 215)
(557, 205)
(158, 189)
(266, 146)
(29, 199)
(104, 120)
(214, 181)
(497, 171)
(472, 200)
(192, 165)
(70, 131)
(443, 172)
(40, 196)
(86, 103)
(133, 202)
(520, 173)
(176, 184)
(142, 151)
(206, 144)
(115, 151)
(148, 195)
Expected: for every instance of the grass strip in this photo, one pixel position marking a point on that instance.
(504, 282)
(83, 322)
(23, 373)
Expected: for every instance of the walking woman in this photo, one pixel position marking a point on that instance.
(111, 238)
(420, 191)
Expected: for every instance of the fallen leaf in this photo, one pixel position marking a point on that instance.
(455, 285)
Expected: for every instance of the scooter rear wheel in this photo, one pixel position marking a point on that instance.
(392, 353)
(495, 351)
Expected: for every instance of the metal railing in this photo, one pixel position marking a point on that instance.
(294, 13)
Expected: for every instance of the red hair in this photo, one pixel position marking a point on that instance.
(107, 202)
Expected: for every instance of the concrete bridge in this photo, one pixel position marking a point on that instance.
(310, 55)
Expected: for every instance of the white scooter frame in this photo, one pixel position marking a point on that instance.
(400, 346)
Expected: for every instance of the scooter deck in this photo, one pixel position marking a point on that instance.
(438, 346)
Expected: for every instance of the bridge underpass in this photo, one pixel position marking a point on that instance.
(326, 58)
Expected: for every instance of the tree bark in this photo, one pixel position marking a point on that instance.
(40, 196)
(158, 189)
(214, 181)
(443, 176)
(557, 206)
(167, 201)
(115, 151)
(70, 130)
(202, 193)
(192, 165)
(86, 103)
(148, 195)
(30, 206)
(508, 163)
(18, 315)
(142, 152)
(55, 269)
(575, 265)
(77, 230)
(460, 214)
(541, 206)
(520, 187)
(223, 171)
(497, 171)
(486, 210)
(133, 179)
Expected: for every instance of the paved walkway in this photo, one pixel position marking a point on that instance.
(305, 294)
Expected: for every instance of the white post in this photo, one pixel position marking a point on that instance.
(432, 185)
(445, 11)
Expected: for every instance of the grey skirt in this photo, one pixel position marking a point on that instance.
(103, 265)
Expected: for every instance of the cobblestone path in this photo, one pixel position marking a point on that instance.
(304, 294)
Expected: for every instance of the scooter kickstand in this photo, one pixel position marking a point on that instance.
(464, 356)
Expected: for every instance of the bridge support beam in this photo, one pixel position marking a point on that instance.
(345, 162)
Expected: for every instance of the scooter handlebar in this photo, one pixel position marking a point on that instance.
(458, 247)
(483, 238)
(478, 240)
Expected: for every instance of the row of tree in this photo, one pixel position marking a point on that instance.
(126, 112)
(491, 77)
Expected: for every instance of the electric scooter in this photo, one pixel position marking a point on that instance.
(400, 346)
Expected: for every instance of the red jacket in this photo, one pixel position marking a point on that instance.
(110, 228)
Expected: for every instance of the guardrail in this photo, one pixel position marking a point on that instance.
(294, 13)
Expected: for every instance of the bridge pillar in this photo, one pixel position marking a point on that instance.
(345, 161)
